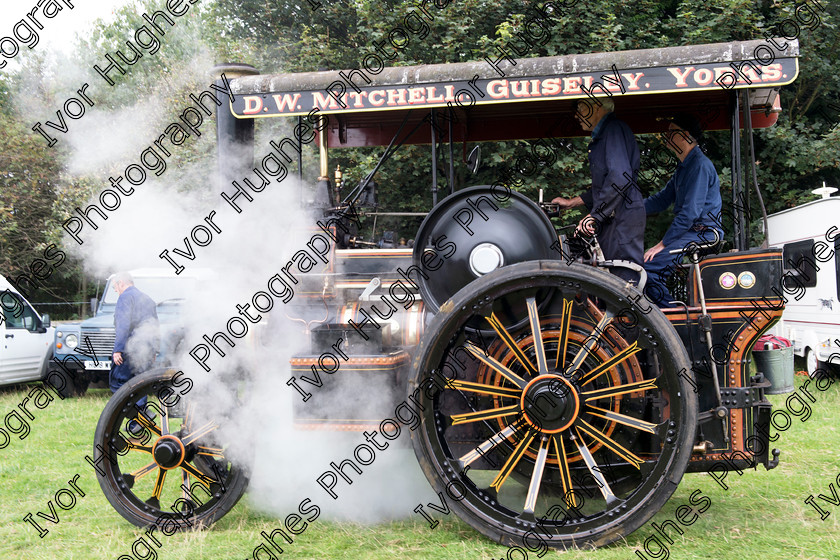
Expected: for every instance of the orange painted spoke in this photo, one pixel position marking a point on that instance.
(510, 343)
(146, 423)
(539, 349)
(187, 416)
(608, 392)
(495, 440)
(594, 470)
(205, 429)
(609, 364)
(610, 443)
(565, 476)
(484, 389)
(139, 473)
(592, 340)
(512, 461)
(622, 419)
(202, 478)
(130, 443)
(159, 484)
(563, 341)
(496, 366)
(485, 414)
(536, 476)
(211, 451)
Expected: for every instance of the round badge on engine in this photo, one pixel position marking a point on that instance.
(485, 258)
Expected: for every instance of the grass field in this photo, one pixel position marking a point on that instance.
(761, 516)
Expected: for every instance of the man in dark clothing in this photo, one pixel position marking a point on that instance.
(694, 190)
(137, 332)
(616, 210)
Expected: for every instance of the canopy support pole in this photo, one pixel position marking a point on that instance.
(234, 137)
(738, 218)
(451, 158)
(434, 158)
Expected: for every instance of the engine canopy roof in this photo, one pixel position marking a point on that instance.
(535, 98)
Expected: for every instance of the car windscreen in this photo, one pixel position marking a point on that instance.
(159, 289)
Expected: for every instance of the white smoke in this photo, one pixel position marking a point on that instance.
(251, 248)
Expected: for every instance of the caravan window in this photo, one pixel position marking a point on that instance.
(798, 260)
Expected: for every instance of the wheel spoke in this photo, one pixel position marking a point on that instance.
(563, 341)
(495, 365)
(539, 349)
(211, 451)
(622, 419)
(202, 478)
(489, 444)
(185, 485)
(159, 484)
(164, 421)
(608, 392)
(131, 443)
(485, 414)
(609, 364)
(565, 475)
(536, 476)
(205, 429)
(139, 473)
(494, 390)
(512, 461)
(616, 447)
(594, 470)
(188, 415)
(146, 423)
(593, 339)
(510, 343)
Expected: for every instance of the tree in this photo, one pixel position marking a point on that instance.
(28, 183)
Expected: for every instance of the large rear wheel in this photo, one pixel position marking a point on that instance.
(571, 424)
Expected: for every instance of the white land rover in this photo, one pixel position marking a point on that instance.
(26, 335)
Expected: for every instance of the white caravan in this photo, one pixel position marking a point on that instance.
(809, 234)
(26, 337)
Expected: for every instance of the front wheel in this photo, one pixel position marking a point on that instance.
(158, 459)
(572, 429)
(67, 382)
(814, 365)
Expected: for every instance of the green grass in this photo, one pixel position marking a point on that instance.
(762, 515)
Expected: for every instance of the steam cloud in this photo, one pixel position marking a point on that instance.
(251, 248)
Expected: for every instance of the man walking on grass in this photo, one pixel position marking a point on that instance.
(137, 332)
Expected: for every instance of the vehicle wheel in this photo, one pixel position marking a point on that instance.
(813, 364)
(573, 429)
(80, 386)
(67, 383)
(158, 461)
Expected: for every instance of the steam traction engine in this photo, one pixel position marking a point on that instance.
(553, 394)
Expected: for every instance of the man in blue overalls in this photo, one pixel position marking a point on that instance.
(616, 210)
(694, 191)
(137, 332)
